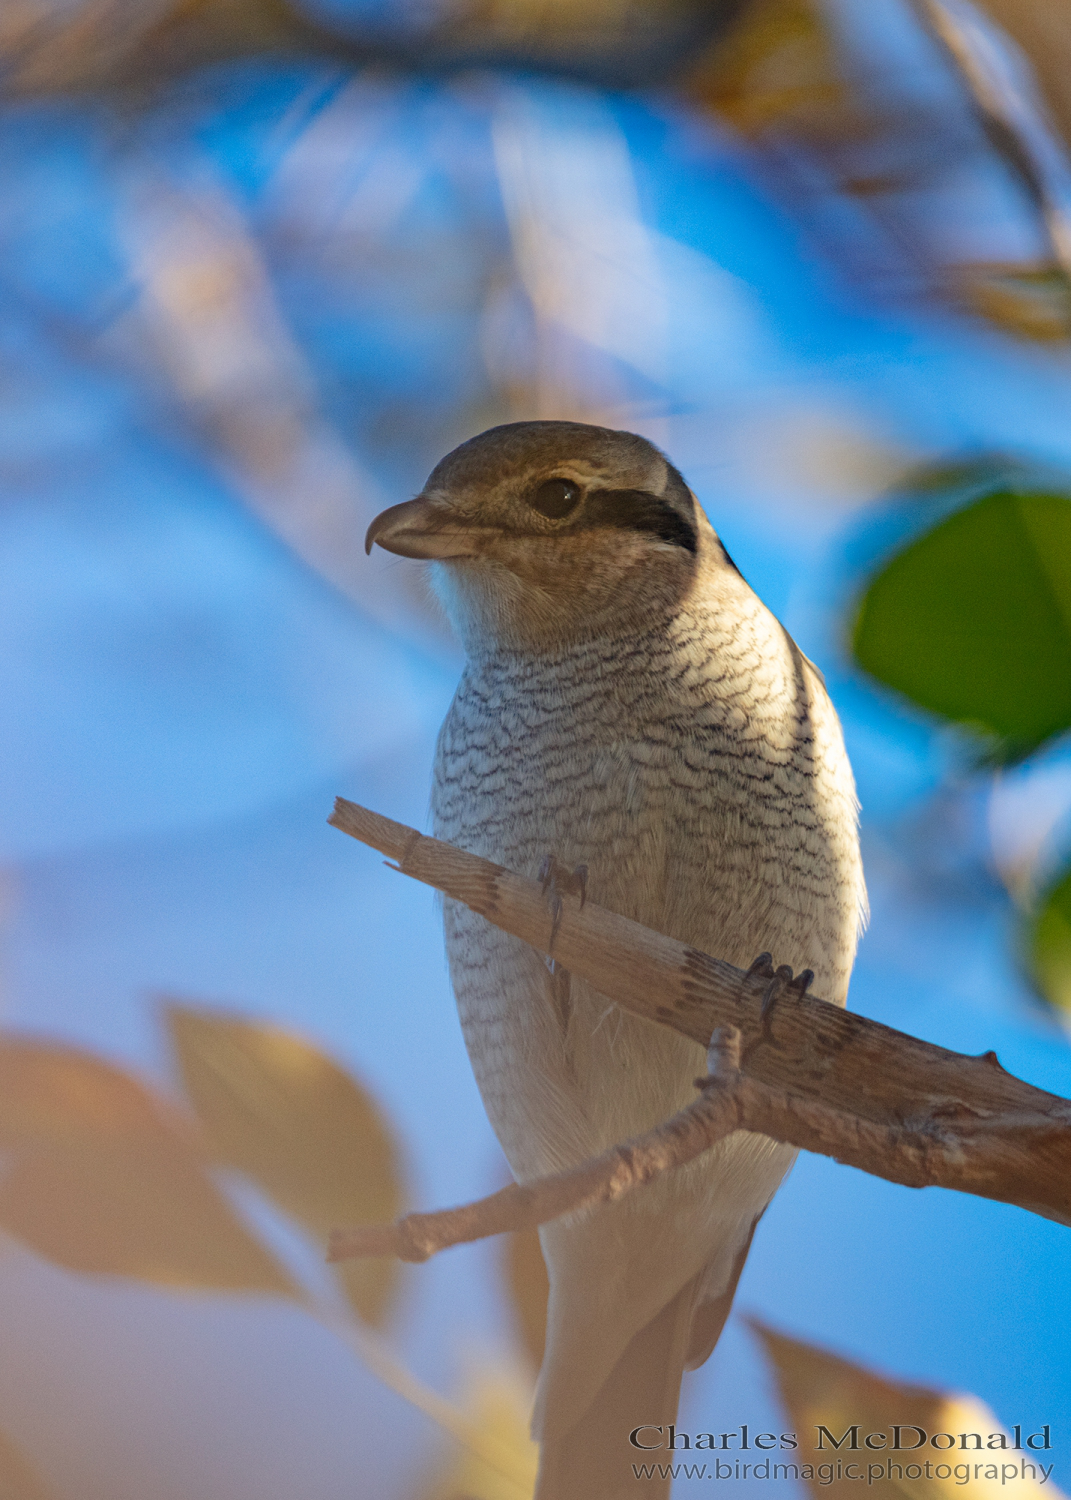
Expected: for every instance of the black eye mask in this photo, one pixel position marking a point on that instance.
(639, 510)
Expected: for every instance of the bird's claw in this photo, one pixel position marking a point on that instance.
(781, 980)
(802, 983)
(557, 881)
(775, 988)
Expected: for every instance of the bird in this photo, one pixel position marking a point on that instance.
(629, 714)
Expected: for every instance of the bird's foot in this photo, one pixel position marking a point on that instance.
(762, 965)
(781, 981)
(557, 881)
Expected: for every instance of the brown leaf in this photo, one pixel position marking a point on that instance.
(278, 1109)
(52, 1095)
(822, 1390)
(526, 1277)
(104, 1177)
(17, 1478)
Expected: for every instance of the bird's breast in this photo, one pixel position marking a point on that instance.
(709, 797)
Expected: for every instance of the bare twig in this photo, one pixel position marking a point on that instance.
(831, 1081)
(602, 1179)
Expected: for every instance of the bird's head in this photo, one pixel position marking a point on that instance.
(543, 532)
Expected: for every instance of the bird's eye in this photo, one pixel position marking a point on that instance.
(555, 498)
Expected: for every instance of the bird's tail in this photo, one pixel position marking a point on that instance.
(594, 1459)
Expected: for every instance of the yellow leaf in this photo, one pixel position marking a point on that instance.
(104, 1177)
(498, 1404)
(52, 1095)
(278, 1109)
(17, 1478)
(822, 1391)
(526, 1278)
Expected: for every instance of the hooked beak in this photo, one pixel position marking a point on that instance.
(420, 528)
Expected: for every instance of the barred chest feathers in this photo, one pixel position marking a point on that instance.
(698, 771)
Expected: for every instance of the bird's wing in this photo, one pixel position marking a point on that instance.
(710, 1313)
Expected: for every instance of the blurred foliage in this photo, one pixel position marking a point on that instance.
(277, 1109)
(973, 619)
(1039, 28)
(831, 128)
(820, 1388)
(497, 1404)
(1048, 942)
(1035, 304)
(777, 65)
(786, 73)
(103, 1177)
(17, 1479)
(128, 44)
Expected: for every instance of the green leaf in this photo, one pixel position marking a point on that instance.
(103, 1177)
(18, 1480)
(1049, 945)
(276, 1108)
(973, 619)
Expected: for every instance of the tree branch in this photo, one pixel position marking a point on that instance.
(818, 1077)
